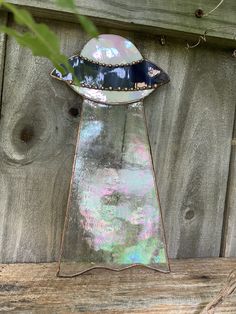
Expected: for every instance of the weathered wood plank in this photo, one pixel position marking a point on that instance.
(176, 17)
(3, 20)
(229, 237)
(192, 284)
(37, 145)
(190, 123)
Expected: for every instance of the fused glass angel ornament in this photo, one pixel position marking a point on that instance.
(113, 218)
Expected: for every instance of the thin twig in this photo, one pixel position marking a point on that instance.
(200, 39)
(206, 14)
(203, 37)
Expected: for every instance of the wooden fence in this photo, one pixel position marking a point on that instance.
(190, 120)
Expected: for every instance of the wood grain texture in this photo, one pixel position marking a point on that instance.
(173, 16)
(37, 145)
(190, 122)
(191, 143)
(3, 20)
(229, 239)
(34, 288)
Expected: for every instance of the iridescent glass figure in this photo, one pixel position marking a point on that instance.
(113, 217)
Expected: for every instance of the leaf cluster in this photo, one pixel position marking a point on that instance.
(42, 41)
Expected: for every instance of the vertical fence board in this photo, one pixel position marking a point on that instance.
(229, 236)
(191, 124)
(3, 20)
(37, 145)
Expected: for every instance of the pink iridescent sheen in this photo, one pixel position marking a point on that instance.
(111, 49)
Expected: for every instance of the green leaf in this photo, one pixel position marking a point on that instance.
(22, 17)
(32, 42)
(41, 31)
(66, 4)
(86, 23)
(88, 26)
(39, 39)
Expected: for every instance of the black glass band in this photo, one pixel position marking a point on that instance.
(141, 75)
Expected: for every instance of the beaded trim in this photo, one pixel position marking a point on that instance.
(107, 65)
(119, 89)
